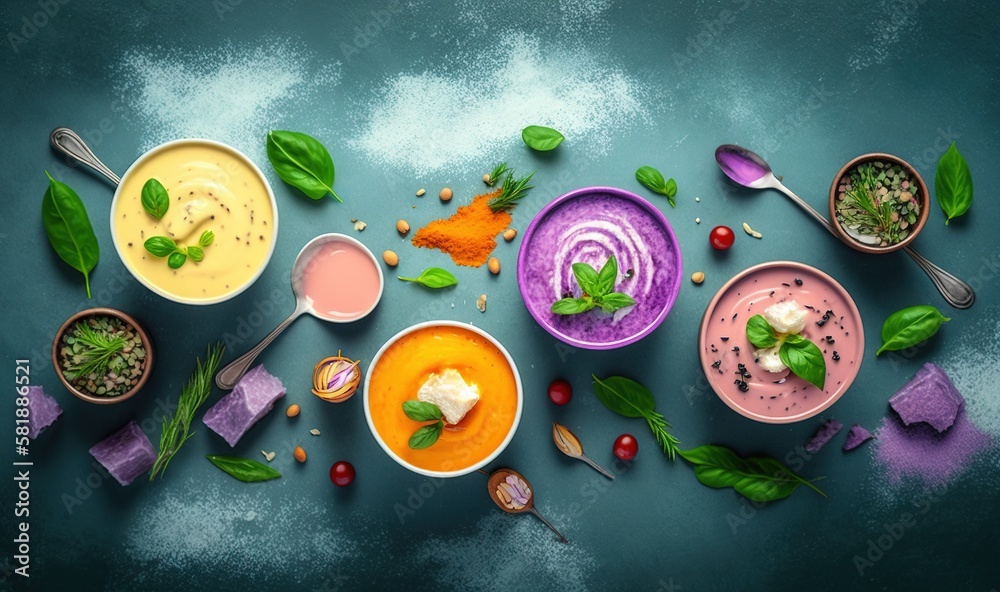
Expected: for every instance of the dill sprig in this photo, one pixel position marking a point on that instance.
(665, 439)
(98, 350)
(511, 192)
(498, 171)
(177, 429)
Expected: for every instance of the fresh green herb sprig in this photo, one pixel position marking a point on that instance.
(495, 175)
(653, 180)
(910, 326)
(424, 411)
(511, 192)
(759, 479)
(163, 246)
(98, 350)
(433, 277)
(195, 392)
(627, 397)
(803, 357)
(155, 199)
(541, 138)
(953, 184)
(68, 228)
(302, 162)
(244, 469)
(597, 289)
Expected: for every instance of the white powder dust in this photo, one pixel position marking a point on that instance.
(892, 22)
(567, 17)
(178, 536)
(506, 549)
(472, 112)
(230, 94)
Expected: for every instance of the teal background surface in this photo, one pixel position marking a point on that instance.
(806, 85)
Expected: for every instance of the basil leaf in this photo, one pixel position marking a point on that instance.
(953, 183)
(155, 199)
(68, 228)
(302, 162)
(206, 238)
(804, 359)
(624, 396)
(607, 277)
(568, 306)
(176, 259)
(421, 410)
(615, 300)
(160, 246)
(541, 138)
(759, 479)
(653, 180)
(195, 253)
(426, 435)
(760, 333)
(909, 326)
(244, 469)
(433, 277)
(588, 278)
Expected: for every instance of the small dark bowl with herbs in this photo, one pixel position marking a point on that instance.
(102, 355)
(878, 203)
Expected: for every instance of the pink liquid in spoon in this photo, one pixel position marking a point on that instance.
(341, 280)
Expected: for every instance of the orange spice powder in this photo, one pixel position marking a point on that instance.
(469, 235)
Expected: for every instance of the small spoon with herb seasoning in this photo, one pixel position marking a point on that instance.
(512, 493)
(750, 170)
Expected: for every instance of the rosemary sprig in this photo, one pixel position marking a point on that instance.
(99, 349)
(665, 439)
(196, 390)
(498, 171)
(511, 192)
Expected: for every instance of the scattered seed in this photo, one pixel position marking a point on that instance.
(446, 194)
(751, 231)
(292, 410)
(494, 265)
(421, 192)
(359, 225)
(697, 199)
(481, 303)
(486, 178)
(509, 234)
(697, 220)
(269, 456)
(300, 454)
(391, 259)
(697, 277)
(314, 432)
(402, 227)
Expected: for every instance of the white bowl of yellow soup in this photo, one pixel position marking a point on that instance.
(407, 360)
(212, 187)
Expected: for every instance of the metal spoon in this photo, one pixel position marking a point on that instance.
(567, 443)
(750, 170)
(515, 503)
(231, 374)
(69, 143)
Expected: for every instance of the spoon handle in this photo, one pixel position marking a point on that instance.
(227, 378)
(805, 206)
(958, 293)
(72, 145)
(562, 539)
(597, 467)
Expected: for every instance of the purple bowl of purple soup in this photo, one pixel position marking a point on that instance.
(589, 225)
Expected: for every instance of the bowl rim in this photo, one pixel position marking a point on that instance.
(329, 237)
(443, 323)
(859, 332)
(657, 215)
(153, 152)
(921, 219)
(121, 315)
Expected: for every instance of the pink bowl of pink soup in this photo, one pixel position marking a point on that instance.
(832, 322)
(338, 277)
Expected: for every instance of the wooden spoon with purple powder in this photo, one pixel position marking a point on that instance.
(512, 493)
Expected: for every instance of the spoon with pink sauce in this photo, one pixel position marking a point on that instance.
(335, 278)
(750, 170)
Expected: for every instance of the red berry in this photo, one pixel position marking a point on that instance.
(342, 473)
(626, 447)
(560, 392)
(721, 237)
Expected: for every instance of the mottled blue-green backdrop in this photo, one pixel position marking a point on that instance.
(411, 94)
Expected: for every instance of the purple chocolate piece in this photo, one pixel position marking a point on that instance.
(42, 411)
(928, 397)
(856, 436)
(252, 398)
(126, 454)
(824, 434)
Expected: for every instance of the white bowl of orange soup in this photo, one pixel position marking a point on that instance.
(407, 360)
(212, 187)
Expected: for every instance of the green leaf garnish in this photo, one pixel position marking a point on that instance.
(160, 246)
(424, 411)
(759, 479)
(68, 228)
(244, 469)
(910, 326)
(155, 199)
(302, 162)
(760, 333)
(653, 180)
(541, 138)
(421, 410)
(426, 436)
(627, 397)
(433, 277)
(176, 259)
(596, 286)
(206, 238)
(804, 359)
(498, 171)
(953, 184)
(195, 253)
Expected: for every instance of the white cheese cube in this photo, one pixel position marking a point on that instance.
(450, 393)
(786, 317)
